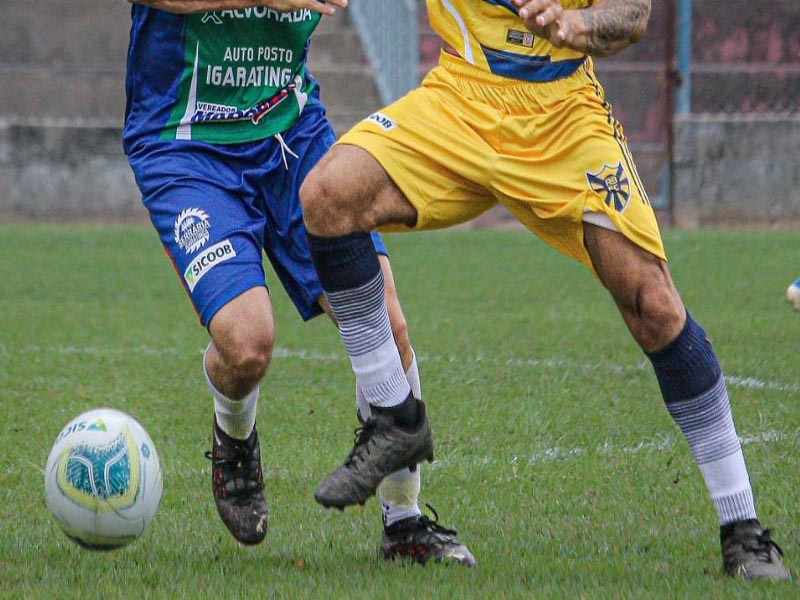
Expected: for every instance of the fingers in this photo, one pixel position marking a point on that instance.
(544, 18)
(325, 7)
(543, 11)
(320, 6)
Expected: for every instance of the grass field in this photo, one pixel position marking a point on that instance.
(556, 460)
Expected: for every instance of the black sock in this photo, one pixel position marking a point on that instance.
(405, 414)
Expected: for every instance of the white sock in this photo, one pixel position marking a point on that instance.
(729, 487)
(235, 417)
(413, 377)
(399, 492)
(707, 424)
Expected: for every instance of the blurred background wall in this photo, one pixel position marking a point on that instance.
(710, 101)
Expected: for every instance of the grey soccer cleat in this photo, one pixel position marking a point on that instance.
(238, 485)
(380, 448)
(748, 552)
(420, 539)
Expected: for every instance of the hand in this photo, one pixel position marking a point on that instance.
(545, 19)
(315, 5)
(602, 28)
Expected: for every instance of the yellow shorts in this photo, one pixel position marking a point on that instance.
(549, 152)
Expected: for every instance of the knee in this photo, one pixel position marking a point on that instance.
(245, 354)
(309, 194)
(319, 202)
(658, 315)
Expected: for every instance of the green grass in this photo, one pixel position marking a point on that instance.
(556, 460)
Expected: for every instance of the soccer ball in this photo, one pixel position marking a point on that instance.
(793, 294)
(103, 479)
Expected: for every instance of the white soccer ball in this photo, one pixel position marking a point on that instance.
(103, 480)
(793, 294)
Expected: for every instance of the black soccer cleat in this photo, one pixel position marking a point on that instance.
(748, 552)
(380, 448)
(238, 485)
(420, 539)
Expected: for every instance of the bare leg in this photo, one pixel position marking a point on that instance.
(685, 364)
(641, 286)
(347, 192)
(243, 336)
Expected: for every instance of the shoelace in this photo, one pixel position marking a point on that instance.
(762, 545)
(235, 464)
(362, 437)
(434, 524)
(431, 526)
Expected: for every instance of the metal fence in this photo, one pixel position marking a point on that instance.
(389, 34)
(741, 56)
(699, 57)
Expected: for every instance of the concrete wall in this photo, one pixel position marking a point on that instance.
(65, 169)
(742, 171)
(62, 98)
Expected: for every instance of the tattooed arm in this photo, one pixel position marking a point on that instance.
(602, 29)
(191, 6)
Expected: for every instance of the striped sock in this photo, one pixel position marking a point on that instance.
(350, 274)
(694, 391)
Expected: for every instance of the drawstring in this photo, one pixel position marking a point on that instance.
(284, 149)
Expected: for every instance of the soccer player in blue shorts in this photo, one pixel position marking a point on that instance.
(514, 114)
(223, 122)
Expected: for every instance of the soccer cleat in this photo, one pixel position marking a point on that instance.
(748, 552)
(380, 448)
(238, 485)
(419, 539)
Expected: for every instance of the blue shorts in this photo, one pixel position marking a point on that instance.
(217, 207)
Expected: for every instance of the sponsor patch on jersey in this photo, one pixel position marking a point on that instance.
(520, 38)
(207, 260)
(191, 229)
(611, 182)
(382, 121)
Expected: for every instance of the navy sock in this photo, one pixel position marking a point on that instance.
(696, 398)
(687, 367)
(344, 262)
(350, 274)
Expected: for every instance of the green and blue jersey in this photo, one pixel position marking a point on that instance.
(222, 77)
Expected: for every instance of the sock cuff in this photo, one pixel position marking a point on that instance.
(687, 367)
(220, 399)
(344, 262)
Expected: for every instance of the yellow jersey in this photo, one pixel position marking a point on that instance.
(490, 35)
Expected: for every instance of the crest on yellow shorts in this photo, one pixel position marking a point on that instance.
(611, 182)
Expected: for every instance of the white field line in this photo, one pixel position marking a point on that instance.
(538, 456)
(609, 449)
(733, 380)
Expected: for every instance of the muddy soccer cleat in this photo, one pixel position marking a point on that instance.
(238, 485)
(380, 448)
(748, 552)
(420, 539)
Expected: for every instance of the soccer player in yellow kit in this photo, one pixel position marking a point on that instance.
(514, 114)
